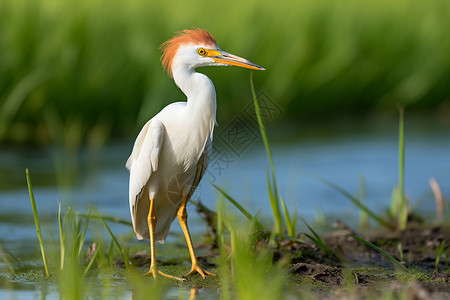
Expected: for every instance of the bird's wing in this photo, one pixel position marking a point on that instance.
(143, 160)
(202, 164)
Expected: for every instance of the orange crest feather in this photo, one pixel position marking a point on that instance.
(187, 36)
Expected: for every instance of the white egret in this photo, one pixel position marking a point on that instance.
(170, 154)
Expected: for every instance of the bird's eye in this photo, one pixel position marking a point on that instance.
(202, 52)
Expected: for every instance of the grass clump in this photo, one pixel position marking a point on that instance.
(75, 273)
(246, 272)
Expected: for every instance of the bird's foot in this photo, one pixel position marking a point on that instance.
(156, 272)
(197, 269)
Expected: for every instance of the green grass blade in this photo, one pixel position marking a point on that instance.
(239, 207)
(273, 191)
(275, 207)
(62, 238)
(395, 262)
(403, 209)
(274, 196)
(36, 222)
(114, 240)
(276, 199)
(296, 239)
(354, 200)
(91, 263)
(261, 125)
(319, 243)
(317, 240)
(82, 233)
(439, 252)
(290, 225)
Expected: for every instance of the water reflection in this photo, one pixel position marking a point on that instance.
(194, 292)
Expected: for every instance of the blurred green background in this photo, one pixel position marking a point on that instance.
(88, 71)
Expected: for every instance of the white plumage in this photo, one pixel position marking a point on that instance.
(171, 152)
(174, 139)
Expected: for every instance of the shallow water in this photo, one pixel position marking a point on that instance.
(100, 179)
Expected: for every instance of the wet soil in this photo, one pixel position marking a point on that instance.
(369, 272)
(355, 270)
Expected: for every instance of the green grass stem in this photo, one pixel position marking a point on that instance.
(290, 223)
(36, 222)
(403, 206)
(318, 240)
(81, 230)
(439, 252)
(271, 180)
(62, 237)
(395, 262)
(274, 194)
(274, 203)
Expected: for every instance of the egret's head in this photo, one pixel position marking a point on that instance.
(197, 48)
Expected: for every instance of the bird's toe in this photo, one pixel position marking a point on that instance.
(197, 269)
(155, 272)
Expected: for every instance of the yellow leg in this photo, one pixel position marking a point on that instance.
(182, 217)
(151, 219)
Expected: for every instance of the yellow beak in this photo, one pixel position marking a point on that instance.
(222, 57)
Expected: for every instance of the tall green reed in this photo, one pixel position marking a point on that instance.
(72, 234)
(403, 204)
(399, 203)
(319, 241)
(274, 195)
(37, 223)
(95, 61)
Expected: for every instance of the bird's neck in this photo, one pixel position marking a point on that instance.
(200, 93)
